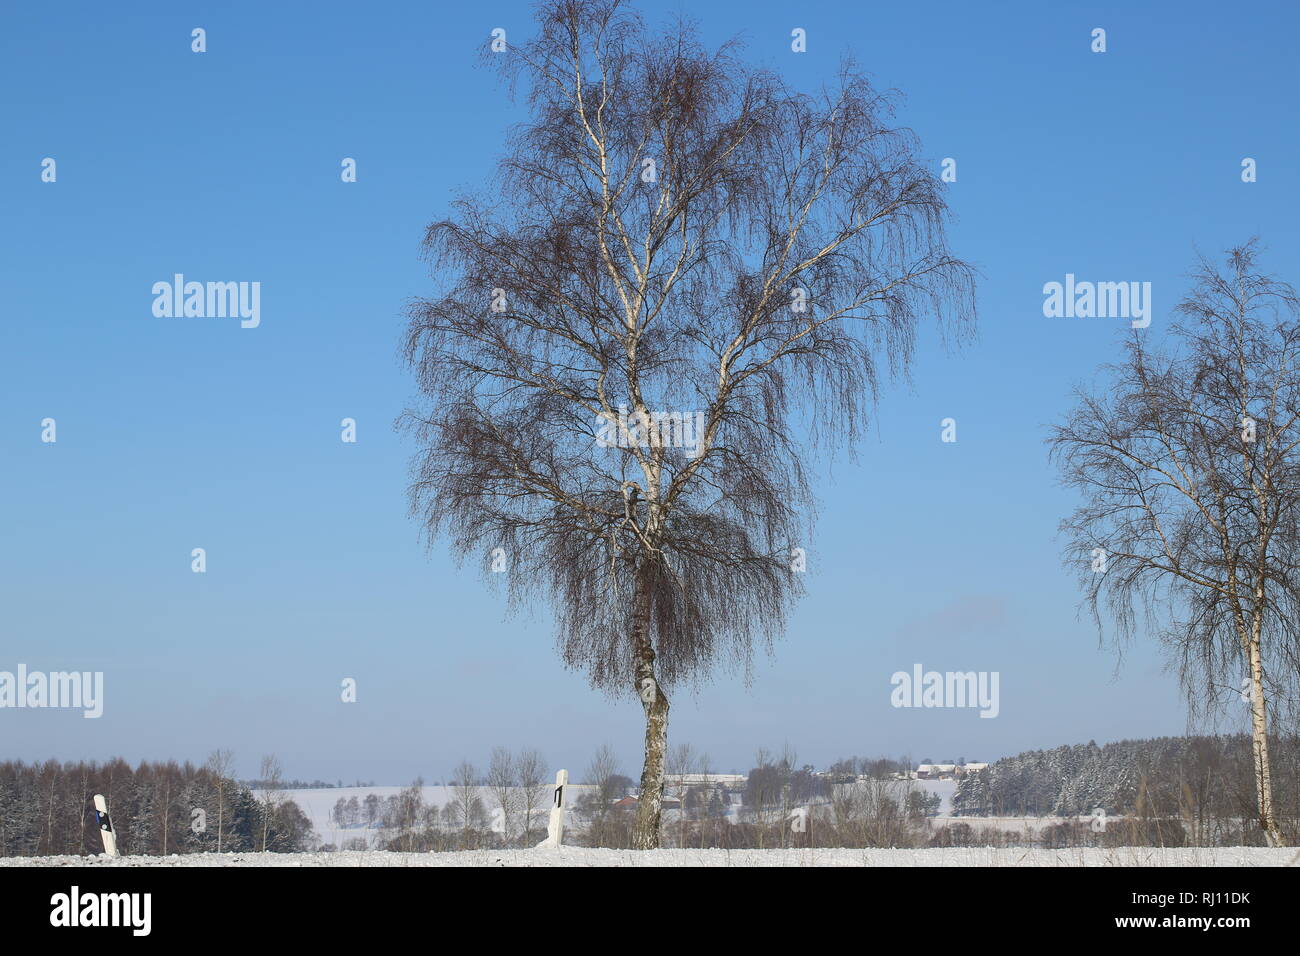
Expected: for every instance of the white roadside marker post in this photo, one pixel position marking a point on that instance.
(555, 828)
(105, 825)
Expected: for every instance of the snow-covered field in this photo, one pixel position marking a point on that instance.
(318, 805)
(579, 856)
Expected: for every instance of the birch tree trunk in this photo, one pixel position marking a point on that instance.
(654, 702)
(1259, 740)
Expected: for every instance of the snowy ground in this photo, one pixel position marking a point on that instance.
(318, 805)
(578, 856)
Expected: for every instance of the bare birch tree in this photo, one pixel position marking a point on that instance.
(687, 279)
(465, 810)
(530, 772)
(680, 765)
(501, 781)
(1189, 466)
(272, 783)
(602, 777)
(221, 765)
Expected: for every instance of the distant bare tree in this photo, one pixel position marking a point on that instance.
(407, 819)
(272, 783)
(164, 789)
(1189, 465)
(530, 772)
(501, 781)
(872, 812)
(221, 765)
(466, 812)
(709, 796)
(695, 282)
(604, 777)
(602, 774)
(681, 763)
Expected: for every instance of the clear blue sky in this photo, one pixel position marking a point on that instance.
(175, 434)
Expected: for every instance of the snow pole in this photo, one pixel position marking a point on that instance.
(105, 825)
(555, 828)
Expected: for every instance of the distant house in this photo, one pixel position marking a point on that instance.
(936, 771)
(946, 771)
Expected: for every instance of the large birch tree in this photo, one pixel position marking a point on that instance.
(686, 280)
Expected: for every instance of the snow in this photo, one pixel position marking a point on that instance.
(318, 805)
(580, 856)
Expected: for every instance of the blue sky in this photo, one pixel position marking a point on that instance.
(175, 434)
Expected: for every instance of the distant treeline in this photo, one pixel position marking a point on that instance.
(1206, 782)
(303, 784)
(156, 808)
